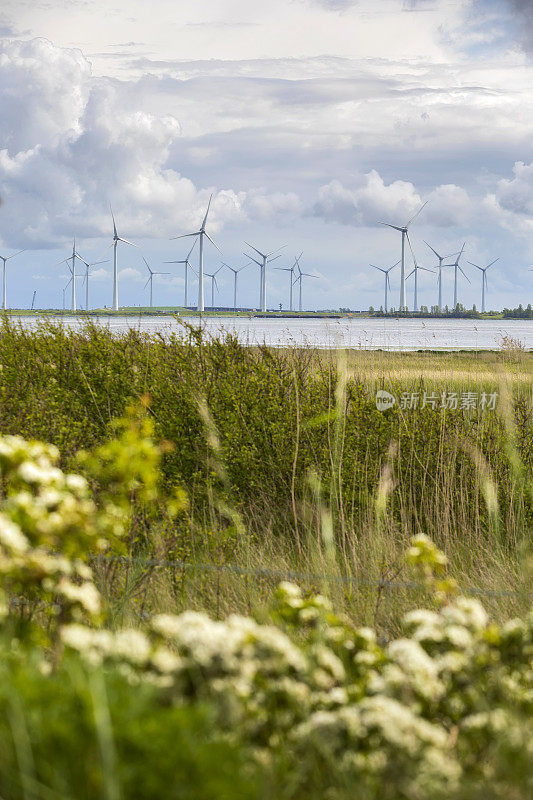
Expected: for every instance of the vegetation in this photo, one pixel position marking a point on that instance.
(288, 446)
(518, 313)
(303, 703)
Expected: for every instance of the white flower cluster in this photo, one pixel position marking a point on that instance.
(48, 523)
(326, 694)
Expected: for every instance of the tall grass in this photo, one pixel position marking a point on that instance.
(289, 466)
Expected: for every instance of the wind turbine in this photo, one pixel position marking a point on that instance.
(441, 259)
(201, 233)
(88, 265)
(114, 245)
(4, 259)
(71, 263)
(291, 271)
(187, 265)
(403, 230)
(457, 267)
(151, 278)
(483, 280)
(266, 259)
(387, 280)
(299, 278)
(213, 284)
(235, 274)
(415, 271)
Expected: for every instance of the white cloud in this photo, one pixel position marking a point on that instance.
(131, 273)
(368, 204)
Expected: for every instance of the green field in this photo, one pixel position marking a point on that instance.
(211, 474)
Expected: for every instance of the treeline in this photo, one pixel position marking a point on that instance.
(518, 313)
(459, 312)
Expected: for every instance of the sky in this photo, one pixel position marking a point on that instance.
(309, 121)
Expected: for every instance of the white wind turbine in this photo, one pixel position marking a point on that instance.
(71, 263)
(201, 233)
(114, 245)
(214, 283)
(439, 274)
(291, 271)
(299, 279)
(187, 267)
(151, 279)
(403, 230)
(387, 280)
(414, 272)
(88, 265)
(5, 259)
(266, 258)
(235, 275)
(456, 268)
(483, 280)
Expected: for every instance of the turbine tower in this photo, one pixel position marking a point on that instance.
(266, 258)
(456, 268)
(4, 259)
(404, 231)
(201, 233)
(299, 279)
(415, 271)
(187, 267)
(214, 283)
(114, 245)
(387, 280)
(483, 280)
(441, 259)
(291, 271)
(235, 275)
(151, 278)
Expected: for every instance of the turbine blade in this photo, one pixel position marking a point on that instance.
(113, 216)
(147, 265)
(433, 250)
(192, 248)
(253, 259)
(256, 250)
(126, 241)
(464, 273)
(273, 259)
(213, 243)
(16, 254)
(492, 262)
(275, 251)
(474, 265)
(417, 213)
(148, 281)
(184, 236)
(388, 225)
(207, 212)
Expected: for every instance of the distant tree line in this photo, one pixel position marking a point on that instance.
(518, 313)
(459, 312)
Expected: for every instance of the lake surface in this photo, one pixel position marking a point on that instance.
(369, 334)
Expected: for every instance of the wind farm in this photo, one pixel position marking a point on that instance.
(289, 302)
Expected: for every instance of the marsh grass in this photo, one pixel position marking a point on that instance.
(289, 467)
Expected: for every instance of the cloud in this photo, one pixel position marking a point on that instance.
(99, 274)
(368, 204)
(132, 274)
(523, 10)
(512, 202)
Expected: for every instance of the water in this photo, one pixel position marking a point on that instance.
(369, 334)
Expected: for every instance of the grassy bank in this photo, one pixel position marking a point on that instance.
(290, 468)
